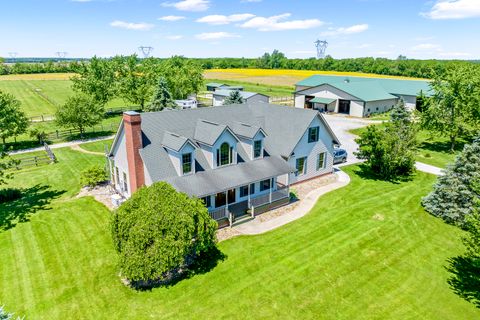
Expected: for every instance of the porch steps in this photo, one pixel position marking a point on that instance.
(242, 219)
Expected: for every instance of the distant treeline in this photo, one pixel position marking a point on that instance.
(276, 60)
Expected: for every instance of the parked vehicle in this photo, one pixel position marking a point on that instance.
(339, 156)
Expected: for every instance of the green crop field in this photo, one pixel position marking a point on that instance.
(366, 251)
(42, 97)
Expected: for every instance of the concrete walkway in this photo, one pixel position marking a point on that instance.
(429, 168)
(61, 145)
(306, 204)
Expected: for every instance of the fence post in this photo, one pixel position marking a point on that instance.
(35, 160)
(57, 133)
(43, 120)
(70, 131)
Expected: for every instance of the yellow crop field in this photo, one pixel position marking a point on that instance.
(279, 77)
(37, 76)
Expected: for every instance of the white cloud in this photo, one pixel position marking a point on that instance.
(274, 23)
(171, 18)
(217, 19)
(142, 26)
(215, 35)
(189, 5)
(454, 9)
(426, 46)
(455, 54)
(174, 37)
(346, 30)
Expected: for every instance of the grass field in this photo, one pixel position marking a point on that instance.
(278, 77)
(367, 251)
(41, 94)
(97, 146)
(269, 90)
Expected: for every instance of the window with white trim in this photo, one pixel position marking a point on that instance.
(257, 149)
(321, 159)
(301, 166)
(186, 163)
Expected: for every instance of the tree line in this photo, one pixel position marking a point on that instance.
(402, 66)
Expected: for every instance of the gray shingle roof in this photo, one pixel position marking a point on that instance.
(245, 130)
(208, 132)
(283, 126)
(173, 141)
(213, 181)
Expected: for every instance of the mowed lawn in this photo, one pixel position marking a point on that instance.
(366, 251)
(41, 95)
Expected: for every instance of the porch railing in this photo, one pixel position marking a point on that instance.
(276, 195)
(217, 214)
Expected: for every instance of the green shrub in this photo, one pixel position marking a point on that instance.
(92, 176)
(9, 194)
(159, 231)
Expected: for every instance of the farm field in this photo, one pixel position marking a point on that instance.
(278, 77)
(365, 251)
(40, 94)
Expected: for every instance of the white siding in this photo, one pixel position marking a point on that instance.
(410, 102)
(379, 106)
(311, 151)
(356, 109)
(121, 163)
(299, 101)
(218, 100)
(176, 157)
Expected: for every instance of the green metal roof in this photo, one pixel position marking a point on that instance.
(322, 100)
(389, 86)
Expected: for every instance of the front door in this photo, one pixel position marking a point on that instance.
(344, 106)
(231, 196)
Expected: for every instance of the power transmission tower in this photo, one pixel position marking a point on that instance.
(321, 47)
(145, 51)
(61, 55)
(13, 56)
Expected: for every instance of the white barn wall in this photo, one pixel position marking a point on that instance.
(382, 105)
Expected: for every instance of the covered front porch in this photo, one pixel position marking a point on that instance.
(231, 205)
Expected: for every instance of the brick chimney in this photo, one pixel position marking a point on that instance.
(132, 124)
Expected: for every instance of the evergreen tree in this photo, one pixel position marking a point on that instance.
(400, 114)
(234, 98)
(162, 98)
(453, 194)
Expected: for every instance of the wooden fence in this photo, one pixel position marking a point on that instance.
(38, 160)
(108, 111)
(62, 134)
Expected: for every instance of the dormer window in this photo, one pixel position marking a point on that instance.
(257, 149)
(186, 163)
(224, 154)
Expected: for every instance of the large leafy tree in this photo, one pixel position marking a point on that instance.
(162, 98)
(159, 230)
(96, 78)
(13, 120)
(454, 194)
(454, 107)
(6, 162)
(136, 79)
(184, 76)
(234, 98)
(79, 111)
(389, 150)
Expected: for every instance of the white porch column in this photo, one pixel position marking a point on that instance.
(271, 188)
(249, 191)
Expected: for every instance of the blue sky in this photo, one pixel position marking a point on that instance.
(422, 29)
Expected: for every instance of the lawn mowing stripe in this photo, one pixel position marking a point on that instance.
(22, 267)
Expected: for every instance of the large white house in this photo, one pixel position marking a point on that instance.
(357, 96)
(235, 157)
